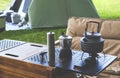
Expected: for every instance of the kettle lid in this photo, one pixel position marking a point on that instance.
(92, 35)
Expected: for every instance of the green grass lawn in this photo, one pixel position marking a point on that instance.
(34, 35)
(4, 4)
(106, 9)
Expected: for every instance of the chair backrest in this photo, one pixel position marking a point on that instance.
(24, 7)
(15, 5)
(20, 6)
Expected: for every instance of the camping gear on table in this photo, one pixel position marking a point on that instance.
(65, 50)
(92, 42)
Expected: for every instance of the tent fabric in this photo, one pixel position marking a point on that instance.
(55, 13)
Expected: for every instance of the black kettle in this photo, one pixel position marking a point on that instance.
(92, 42)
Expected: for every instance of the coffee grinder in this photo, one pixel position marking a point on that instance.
(65, 50)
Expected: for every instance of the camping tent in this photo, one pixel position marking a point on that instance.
(55, 13)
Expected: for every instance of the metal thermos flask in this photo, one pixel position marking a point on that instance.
(51, 48)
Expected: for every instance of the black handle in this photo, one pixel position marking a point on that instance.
(98, 29)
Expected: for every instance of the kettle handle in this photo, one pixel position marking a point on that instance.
(98, 29)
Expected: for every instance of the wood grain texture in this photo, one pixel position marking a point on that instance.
(12, 68)
(15, 67)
